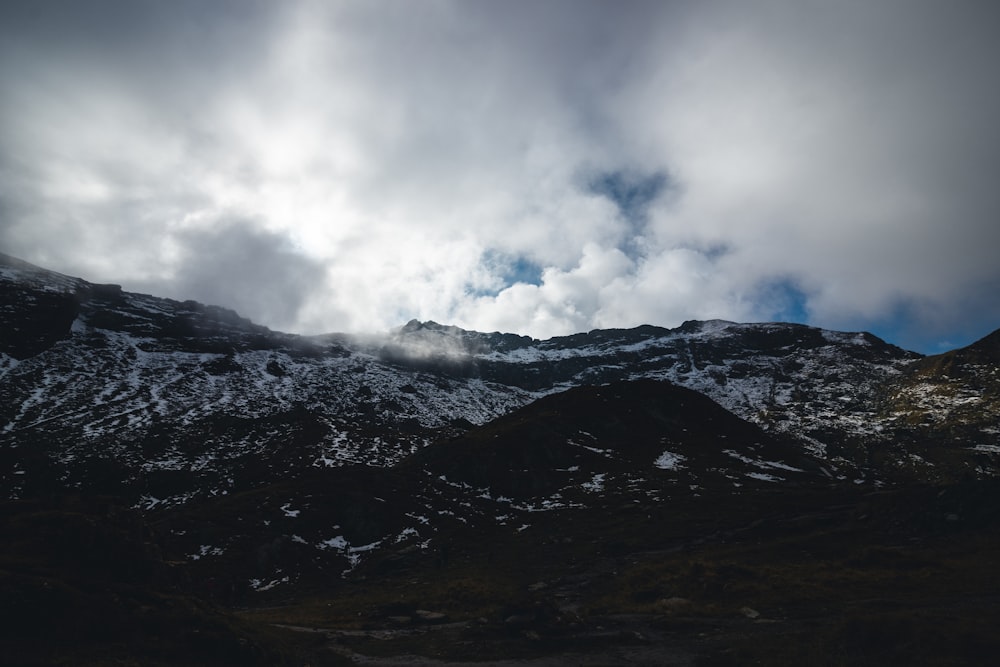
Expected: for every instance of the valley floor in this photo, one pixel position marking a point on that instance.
(870, 579)
(834, 577)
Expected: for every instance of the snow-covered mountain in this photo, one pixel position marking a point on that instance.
(276, 463)
(158, 389)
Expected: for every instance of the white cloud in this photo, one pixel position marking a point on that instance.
(396, 152)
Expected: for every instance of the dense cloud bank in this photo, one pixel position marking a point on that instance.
(539, 168)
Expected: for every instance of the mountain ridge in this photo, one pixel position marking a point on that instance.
(653, 481)
(174, 403)
(111, 368)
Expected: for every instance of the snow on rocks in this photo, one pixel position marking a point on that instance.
(669, 461)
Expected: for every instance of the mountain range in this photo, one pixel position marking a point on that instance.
(259, 466)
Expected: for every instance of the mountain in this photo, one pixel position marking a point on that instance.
(652, 437)
(948, 405)
(199, 396)
(165, 403)
(266, 466)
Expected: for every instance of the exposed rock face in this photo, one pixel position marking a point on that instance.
(37, 308)
(960, 388)
(946, 408)
(159, 389)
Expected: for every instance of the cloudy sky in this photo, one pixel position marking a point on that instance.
(534, 167)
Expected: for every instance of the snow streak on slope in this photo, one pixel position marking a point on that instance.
(787, 377)
(148, 384)
(155, 384)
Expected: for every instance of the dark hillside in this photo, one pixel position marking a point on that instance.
(659, 434)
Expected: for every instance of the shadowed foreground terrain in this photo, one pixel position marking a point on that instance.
(869, 578)
(842, 577)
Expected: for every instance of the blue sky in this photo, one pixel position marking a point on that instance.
(534, 167)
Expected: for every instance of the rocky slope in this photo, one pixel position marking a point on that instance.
(176, 399)
(948, 405)
(489, 474)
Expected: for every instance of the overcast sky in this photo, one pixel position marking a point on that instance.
(533, 167)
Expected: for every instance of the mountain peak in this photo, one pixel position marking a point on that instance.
(416, 325)
(705, 326)
(987, 347)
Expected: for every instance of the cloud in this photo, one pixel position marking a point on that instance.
(233, 263)
(542, 168)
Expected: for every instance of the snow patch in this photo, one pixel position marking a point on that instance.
(407, 533)
(206, 550)
(669, 461)
(260, 586)
(764, 477)
(339, 543)
(595, 484)
(757, 463)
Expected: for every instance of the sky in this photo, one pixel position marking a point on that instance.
(540, 167)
